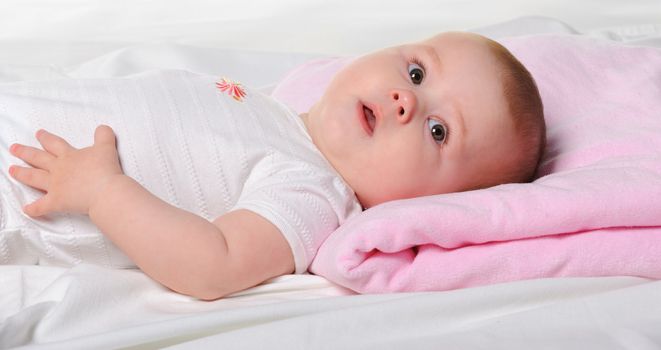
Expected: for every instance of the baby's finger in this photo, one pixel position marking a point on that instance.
(33, 156)
(53, 143)
(32, 177)
(104, 135)
(39, 207)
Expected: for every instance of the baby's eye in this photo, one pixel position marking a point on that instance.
(438, 131)
(417, 73)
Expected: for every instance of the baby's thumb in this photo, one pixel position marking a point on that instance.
(38, 208)
(104, 135)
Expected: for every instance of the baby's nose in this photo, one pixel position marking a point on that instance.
(404, 102)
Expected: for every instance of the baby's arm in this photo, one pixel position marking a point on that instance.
(181, 250)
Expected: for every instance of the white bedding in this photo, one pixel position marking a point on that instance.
(91, 307)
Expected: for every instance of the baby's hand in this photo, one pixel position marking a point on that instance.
(72, 178)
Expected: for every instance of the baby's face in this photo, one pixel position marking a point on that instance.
(414, 120)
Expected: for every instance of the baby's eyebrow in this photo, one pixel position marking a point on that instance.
(458, 121)
(461, 122)
(432, 56)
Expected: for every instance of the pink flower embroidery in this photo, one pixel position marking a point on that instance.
(232, 88)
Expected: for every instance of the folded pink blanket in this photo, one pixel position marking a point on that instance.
(595, 210)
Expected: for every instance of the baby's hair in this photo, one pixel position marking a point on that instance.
(527, 113)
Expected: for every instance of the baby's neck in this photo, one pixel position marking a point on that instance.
(304, 118)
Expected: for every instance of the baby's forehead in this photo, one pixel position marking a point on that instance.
(458, 43)
(457, 37)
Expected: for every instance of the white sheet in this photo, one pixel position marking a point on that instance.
(89, 307)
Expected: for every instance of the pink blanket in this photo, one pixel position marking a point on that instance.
(595, 210)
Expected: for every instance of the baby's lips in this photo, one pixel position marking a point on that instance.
(362, 115)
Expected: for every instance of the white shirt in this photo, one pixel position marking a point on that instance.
(189, 143)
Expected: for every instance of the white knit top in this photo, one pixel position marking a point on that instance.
(203, 144)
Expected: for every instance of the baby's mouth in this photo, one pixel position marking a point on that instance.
(370, 118)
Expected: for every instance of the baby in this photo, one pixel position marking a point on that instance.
(453, 113)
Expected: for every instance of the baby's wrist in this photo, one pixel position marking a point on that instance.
(104, 189)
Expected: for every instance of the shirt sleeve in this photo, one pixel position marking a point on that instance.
(304, 203)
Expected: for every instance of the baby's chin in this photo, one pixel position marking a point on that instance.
(368, 200)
